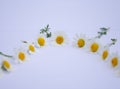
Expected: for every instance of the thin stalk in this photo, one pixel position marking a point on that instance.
(6, 55)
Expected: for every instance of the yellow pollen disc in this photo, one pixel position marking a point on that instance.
(114, 61)
(94, 47)
(6, 64)
(41, 41)
(59, 39)
(21, 56)
(105, 54)
(81, 43)
(31, 48)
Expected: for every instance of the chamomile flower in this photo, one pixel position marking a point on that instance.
(80, 41)
(59, 38)
(30, 47)
(104, 52)
(94, 45)
(6, 65)
(41, 41)
(21, 55)
(114, 61)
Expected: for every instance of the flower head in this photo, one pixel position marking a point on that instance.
(6, 65)
(80, 41)
(41, 41)
(59, 38)
(104, 52)
(21, 55)
(30, 47)
(94, 45)
(114, 60)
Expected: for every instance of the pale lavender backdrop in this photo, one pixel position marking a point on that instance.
(54, 67)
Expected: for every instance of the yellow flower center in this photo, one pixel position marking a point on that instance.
(94, 47)
(59, 39)
(114, 61)
(41, 41)
(81, 43)
(105, 54)
(21, 56)
(6, 64)
(31, 48)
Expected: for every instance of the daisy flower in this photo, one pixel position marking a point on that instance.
(59, 38)
(114, 61)
(30, 47)
(80, 41)
(21, 55)
(6, 65)
(94, 45)
(104, 52)
(41, 41)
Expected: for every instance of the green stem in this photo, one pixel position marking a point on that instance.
(9, 56)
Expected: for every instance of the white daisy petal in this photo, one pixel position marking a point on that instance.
(1, 71)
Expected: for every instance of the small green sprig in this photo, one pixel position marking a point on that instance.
(113, 41)
(102, 32)
(45, 31)
(6, 55)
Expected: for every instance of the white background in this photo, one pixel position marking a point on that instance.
(59, 67)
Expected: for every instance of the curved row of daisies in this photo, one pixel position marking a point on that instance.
(59, 39)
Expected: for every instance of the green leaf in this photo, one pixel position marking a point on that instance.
(113, 39)
(104, 29)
